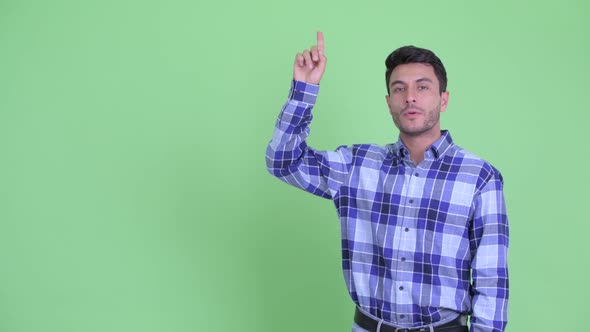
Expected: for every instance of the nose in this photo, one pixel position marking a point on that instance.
(410, 98)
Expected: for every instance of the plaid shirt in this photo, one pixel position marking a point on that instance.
(412, 236)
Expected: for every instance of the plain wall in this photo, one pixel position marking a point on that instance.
(133, 188)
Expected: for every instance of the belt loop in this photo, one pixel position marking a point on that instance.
(379, 325)
(431, 328)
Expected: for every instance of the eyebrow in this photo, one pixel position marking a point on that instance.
(423, 79)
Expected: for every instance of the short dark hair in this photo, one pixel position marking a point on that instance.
(412, 54)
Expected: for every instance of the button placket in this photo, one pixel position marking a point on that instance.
(415, 181)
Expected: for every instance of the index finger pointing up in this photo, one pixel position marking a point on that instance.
(320, 42)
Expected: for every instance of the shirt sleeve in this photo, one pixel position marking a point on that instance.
(489, 242)
(289, 158)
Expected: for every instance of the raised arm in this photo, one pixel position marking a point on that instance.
(288, 157)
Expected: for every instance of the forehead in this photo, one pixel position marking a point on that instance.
(411, 72)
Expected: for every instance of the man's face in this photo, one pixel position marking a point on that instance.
(414, 100)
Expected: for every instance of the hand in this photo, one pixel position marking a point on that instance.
(310, 65)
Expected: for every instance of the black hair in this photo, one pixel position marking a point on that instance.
(412, 54)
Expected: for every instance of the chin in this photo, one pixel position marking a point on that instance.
(415, 131)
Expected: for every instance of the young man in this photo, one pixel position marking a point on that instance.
(423, 222)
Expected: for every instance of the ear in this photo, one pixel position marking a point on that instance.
(444, 101)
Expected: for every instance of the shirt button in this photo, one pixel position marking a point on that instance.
(411, 201)
(401, 287)
(402, 316)
(416, 174)
(407, 229)
(403, 259)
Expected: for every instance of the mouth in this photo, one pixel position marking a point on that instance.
(412, 112)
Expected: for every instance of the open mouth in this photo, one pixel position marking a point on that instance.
(412, 113)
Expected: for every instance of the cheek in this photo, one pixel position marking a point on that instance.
(393, 105)
(395, 109)
(391, 110)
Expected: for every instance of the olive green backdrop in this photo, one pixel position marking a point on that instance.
(133, 189)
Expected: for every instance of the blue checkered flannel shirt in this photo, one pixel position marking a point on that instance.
(420, 244)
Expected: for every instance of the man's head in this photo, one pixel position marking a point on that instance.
(416, 86)
(412, 54)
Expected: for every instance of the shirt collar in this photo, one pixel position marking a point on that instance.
(438, 148)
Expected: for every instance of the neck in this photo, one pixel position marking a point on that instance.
(419, 143)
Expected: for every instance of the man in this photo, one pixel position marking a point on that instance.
(423, 222)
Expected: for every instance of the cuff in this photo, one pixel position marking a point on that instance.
(304, 92)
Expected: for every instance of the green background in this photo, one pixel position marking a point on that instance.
(133, 189)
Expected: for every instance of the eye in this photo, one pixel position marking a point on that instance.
(423, 87)
(398, 89)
